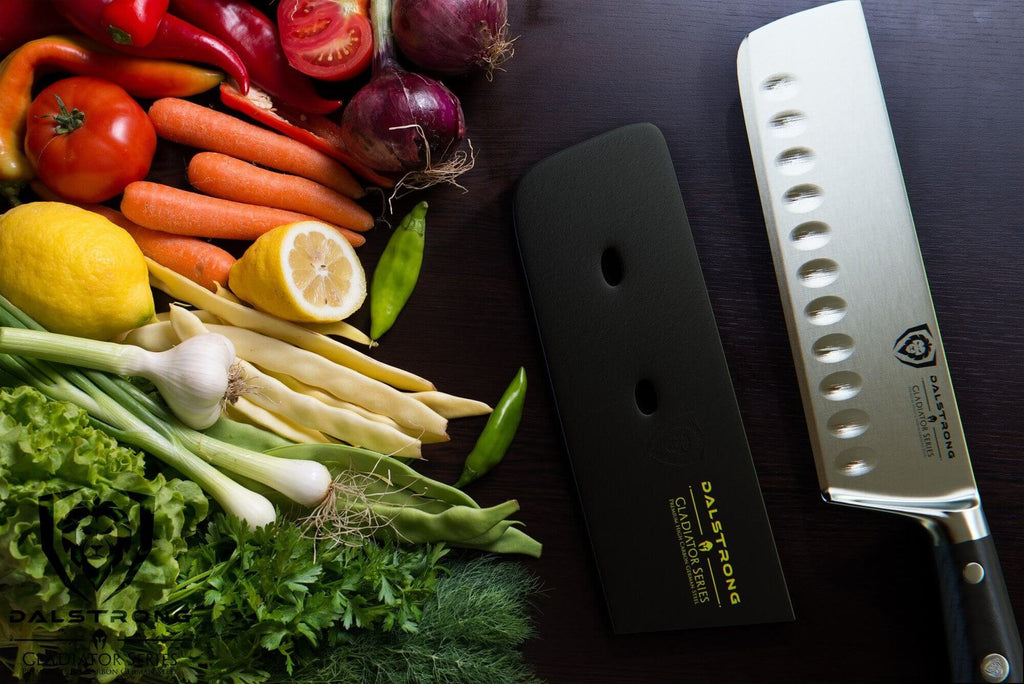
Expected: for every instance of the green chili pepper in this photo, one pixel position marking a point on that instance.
(497, 434)
(397, 271)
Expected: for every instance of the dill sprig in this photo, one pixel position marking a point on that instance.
(471, 630)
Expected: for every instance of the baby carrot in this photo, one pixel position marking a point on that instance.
(197, 126)
(172, 210)
(230, 178)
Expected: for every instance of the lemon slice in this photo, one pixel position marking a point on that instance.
(305, 272)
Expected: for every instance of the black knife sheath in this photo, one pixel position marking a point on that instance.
(650, 421)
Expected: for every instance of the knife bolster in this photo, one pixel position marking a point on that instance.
(947, 521)
(957, 526)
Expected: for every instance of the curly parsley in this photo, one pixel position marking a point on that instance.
(251, 600)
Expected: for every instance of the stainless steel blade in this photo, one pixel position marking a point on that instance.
(876, 387)
(880, 408)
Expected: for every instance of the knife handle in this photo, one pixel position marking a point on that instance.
(984, 642)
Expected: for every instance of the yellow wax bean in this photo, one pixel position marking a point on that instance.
(243, 316)
(452, 406)
(246, 411)
(273, 355)
(331, 400)
(302, 409)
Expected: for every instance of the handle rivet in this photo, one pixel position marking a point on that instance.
(974, 573)
(995, 668)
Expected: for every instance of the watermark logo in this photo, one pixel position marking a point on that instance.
(95, 540)
(915, 347)
(96, 548)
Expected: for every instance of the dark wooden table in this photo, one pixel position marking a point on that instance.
(861, 583)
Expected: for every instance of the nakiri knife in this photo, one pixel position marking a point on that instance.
(876, 389)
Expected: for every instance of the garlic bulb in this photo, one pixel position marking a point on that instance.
(195, 378)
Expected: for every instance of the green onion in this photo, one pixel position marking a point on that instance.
(196, 378)
(134, 418)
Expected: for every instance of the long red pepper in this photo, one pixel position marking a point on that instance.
(25, 20)
(175, 39)
(251, 34)
(134, 22)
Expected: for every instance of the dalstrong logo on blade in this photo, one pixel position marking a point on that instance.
(915, 347)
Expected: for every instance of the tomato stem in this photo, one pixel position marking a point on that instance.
(66, 121)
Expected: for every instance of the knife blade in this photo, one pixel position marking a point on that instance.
(882, 416)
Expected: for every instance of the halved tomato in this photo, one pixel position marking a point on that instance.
(326, 39)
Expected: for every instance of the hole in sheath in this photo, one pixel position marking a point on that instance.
(611, 266)
(646, 397)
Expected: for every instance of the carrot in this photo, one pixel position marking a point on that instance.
(197, 126)
(233, 179)
(196, 259)
(172, 210)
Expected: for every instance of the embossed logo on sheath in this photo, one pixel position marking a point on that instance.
(678, 442)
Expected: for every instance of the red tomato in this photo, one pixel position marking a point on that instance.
(87, 139)
(326, 39)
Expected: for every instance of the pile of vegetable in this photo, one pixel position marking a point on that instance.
(206, 473)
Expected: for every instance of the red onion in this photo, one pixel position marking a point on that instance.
(402, 122)
(453, 37)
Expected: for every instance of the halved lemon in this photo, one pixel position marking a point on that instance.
(305, 272)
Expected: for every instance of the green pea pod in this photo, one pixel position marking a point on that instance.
(397, 271)
(496, 437)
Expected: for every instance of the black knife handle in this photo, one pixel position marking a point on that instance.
(984, 642)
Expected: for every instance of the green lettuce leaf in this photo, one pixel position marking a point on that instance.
(88, 540)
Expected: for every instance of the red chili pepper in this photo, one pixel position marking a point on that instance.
(314, 130)
(255, 38)
(25, 20)
(134, 22)
(175, 39)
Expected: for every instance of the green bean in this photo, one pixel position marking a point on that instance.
(347, 426)
(244, 435)
(496, 437)
(513, 540)
(490, 536)
(397, 271)
(245, 410)
(338, 457)
(416, 508)
(414, 526)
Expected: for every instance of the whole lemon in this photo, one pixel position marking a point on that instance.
(73, 271)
